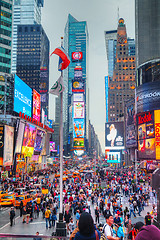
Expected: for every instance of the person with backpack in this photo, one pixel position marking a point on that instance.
(107, 229)
(47, 217)
(12, 215)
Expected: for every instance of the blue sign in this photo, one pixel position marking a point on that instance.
(22, 97)
(78, 128)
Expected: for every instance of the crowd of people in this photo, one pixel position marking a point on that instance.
(86, 203)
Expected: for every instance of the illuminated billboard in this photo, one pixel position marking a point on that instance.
(8, 146)
(113, 157)
(78, 97)
(77, 56)
(77, 85)
(78, 109)
(1, 144)
(52, 146)
(22, 97)
(78, 142)
(38, 142)
(36, 105)
(19, 140)
(29, 140)
(78, 128)
(78, 73)
(114, 135)
(157, 133)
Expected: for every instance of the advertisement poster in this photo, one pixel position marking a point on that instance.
(8, 145)
(77, 56)
(36, 105)
(52, 146)
(1, 144)
(22, 97)
(19, 140)
(78, 97)
(78, 142)
(77, 85)
(70, 119)
(29, 140)
(78, 73)
(38, 142)
(78, 109)
(157, 133)
(114, 134)
(78, 128)
(113, 157)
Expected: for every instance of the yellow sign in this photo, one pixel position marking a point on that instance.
(157, 133)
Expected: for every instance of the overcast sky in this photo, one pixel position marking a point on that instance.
(100, 15)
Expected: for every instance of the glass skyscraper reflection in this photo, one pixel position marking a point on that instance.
(75, 40)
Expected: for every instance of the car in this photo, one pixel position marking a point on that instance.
(8, 200)
(24, 198)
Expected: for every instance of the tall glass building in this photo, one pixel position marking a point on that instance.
(5, 35)
(24, 12)
(75, 40)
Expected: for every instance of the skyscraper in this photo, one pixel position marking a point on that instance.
(121, 72)
(33, 59)
(75, 40)
(6, 35)
(24, 12)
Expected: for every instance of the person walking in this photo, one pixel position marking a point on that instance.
(12, 215)
(97, 215)
(21, 208)
(107, 229)
(47, 217)
(24, 213)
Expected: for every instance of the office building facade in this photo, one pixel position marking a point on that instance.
(5, 35)
(75, 41)
(24, 12)
(33, 59)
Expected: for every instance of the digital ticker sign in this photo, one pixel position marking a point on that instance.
(36, 105)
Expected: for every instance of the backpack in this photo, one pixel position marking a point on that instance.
(47, 213)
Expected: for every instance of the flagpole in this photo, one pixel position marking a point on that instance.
(61, 148)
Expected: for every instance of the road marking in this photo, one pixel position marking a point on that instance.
(36, 222)
(9, 223)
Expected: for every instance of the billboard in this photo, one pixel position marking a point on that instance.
(8, 146)
(70, 119)
(1, 144)
(78, 128)
(78, 109)
(77, 56)
(36, 105)
(22, 97)
(29, 140)
(44, 86)
(19, 140)
(113, 157)
(78, 73)
(78, 97)
(52, 146)
(130, 122)
(157, 133)
(148, 97)
(78, 142)
(77, 85)
(114, 135)
(38, 142)
(106, 96)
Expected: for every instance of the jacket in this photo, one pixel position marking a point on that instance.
(79, 236)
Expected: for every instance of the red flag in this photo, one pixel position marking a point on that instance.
(64, 57)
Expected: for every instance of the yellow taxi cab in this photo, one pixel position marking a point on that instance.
(2, 193)
(75, 174)
(24, 198)
(44, 189)
(57, 175)
(8, 200)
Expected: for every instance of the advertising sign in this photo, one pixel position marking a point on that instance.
(19, 140)
(78, 142)
(78, 73)
(114, 132)
(49, 123)
(78, 128)
(52, 147)
(113, 157)
(78, 97)
(78, 152)
(1, 144)
(157, 133)
(77, 85)
(29, 140)
(148, 97)
(77, 56)
(44, 86)
(22, 97)
(146, 135)
(70, 119)
(38, 142)
(130, 121)
(36, 105)
(78, 109)
(8, 146)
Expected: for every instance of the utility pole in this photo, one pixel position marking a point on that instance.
(136, 165)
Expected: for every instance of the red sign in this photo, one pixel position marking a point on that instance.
(77, 56)
(36, 105)
(145, 118)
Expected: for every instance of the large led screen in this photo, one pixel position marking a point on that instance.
(157, 133)
(8, 146)
(77, 85)
(19, 140)
(78, 128)
(78, 97)
(52, 146)
(38, 142)
(78, 109)
(114, 135)
(1, 144)
(78, 142)
(22, 97)
(29, 140)
(36, 105)
(113, 157)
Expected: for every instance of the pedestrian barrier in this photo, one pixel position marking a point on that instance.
(30, 237)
